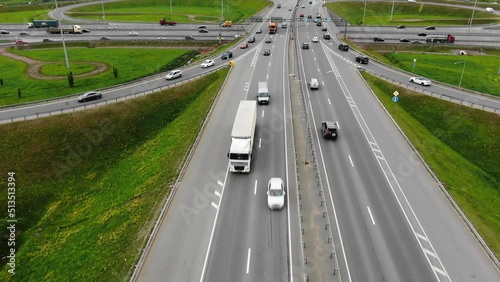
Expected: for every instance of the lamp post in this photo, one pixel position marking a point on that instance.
(463, 70)
(103, 14)
(392, 10)
(63, 43)
(364, 13)
(171, 7)
(472, 16)
(345, 26)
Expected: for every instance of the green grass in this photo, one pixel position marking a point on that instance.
(412, 14)
(462, 147)
(481, 71)
(153, 10)
(139, 62)
(90, 183)
(60, 69)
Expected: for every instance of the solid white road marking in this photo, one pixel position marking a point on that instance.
(371, 216)
(255, 188)
(329, 101)
(215, 205)
(260, 142)
(352, 164)
(248, 259)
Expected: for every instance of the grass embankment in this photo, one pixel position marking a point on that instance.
(415, 14)
(460, 144)
(89, 184)
(26, 13)
(194, 11)
(132, 63)
(480, 74)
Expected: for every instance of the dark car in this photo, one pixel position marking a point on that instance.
(226, 55)
(326, 36)
(266, 52)
(259, 31)
(189, 37)
(329, 129)
(46, 40)
(105, 38)
(251, 39)
(203, 30)
(430, 28)
(3, 31)
(301, 15)
(269, 40)
(324, 28)
(406, 40)
(309, 16)
(305, 45)
(401, 26)
(319, 24)
(362, 59)
(91, 95)
(378, 39)
(422, 34)
(343, 47)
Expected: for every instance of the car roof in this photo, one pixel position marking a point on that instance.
(275, 182)
(330, 124)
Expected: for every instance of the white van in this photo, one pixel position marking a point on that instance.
(263, 94)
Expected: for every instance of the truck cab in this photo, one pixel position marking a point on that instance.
(263, 94)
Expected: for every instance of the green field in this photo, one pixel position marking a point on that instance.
(411, 14)
(462, 147)
(480, 74)
(89, 184)
(182, 11)
(139, 62)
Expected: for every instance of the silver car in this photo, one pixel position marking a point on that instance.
(173, 74)
(421, 80)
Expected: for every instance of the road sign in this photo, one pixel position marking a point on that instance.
(396, 93)
(395, 98)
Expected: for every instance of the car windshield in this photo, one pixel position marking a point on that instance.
(234, 156)
(275, 192)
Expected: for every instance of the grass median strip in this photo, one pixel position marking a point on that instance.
(460, 144)
(90, 183)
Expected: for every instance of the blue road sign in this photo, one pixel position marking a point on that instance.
(395, 98)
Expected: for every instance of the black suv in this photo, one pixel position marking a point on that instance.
(251, 39)
(326, 36)
(305, 45)
(266, 52)
(226, 55)
(378, 39)
(329, 129)
(343, 47)
(362, 59)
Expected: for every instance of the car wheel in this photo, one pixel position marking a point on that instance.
(411, 80)
(422, 84)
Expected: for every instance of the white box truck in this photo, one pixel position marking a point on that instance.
(263, 94)
(240, 152)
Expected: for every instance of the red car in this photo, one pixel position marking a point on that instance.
(301, 15)
(19, 42)
(244, 46)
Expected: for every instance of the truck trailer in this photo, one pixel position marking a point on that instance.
(440, 38)
(76, 29)
(43, 23)
(167, 22)
(242, 135)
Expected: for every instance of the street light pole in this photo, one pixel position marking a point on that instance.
(392, 10)
(364, 13)
(472, 17)
(63, 43)
(103, 14)
(463, 71)
(171, 7)
(345, 28)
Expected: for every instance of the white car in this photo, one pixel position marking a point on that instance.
(207, 63)
(421, 80)
(276, 194)
(173, 74)
(133, 33)
(313, 83)
(315, 39)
